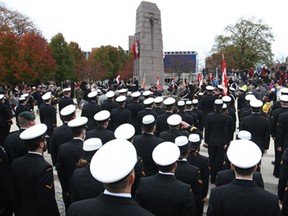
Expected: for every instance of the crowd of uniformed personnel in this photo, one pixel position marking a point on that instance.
(138, 153)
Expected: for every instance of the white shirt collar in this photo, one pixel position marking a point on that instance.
(33, 152)
(166, 173)
(128, 195)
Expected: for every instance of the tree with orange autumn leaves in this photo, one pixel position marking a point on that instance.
(25, 55)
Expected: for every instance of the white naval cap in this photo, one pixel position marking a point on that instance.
(284, 98)
(209, 88)
(194, 138)
(124, 131)
(78, 122)
(92, 144)
(166, 153)
(46, 96)
(148, 101)
(121, 99)
(220, 86)
(26, 95)
(122, 91)
(241, 89)
(181, 141)
(22, 98)
(148, 120)
(113, 161)
(1, 96)
(67, 89)
(68, 110)
(147, 93)
(195, 101)
(188, 102)
(181, 103)
(244, 135)
(110, 94)
(33, 132)
(174, 120)
(218, 102)
(136, 94)
(158, 99)
(284, 90)
(226, 99)
(102, 115)
(92, 94)
(256, 103)
(169, 101)
(250, 97)
(231, 88)
(244, 153)
(224, 106)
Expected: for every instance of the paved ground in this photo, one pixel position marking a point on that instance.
(266, 170)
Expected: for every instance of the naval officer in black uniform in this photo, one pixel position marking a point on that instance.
(32, 185)
(117, 174)
(83, 185)
(162, 193)
(68, 156)
(66, 99)
(63, 133)
(102, 119)
(242, 196)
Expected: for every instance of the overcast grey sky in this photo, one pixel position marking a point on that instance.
(187, 25)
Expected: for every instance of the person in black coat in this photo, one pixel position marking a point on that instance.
(109, 104)
(83, 185)
(135, 107)
(198, 112)
(66, 99)
(21, 107)
(14, 146)
(63, 133)
(191, 119)
(162, 124)
(32, 185)
(48, 116)
(68, 156)
(145, 144)
(5, 206)
(174, 122)
(148, 103)
(258, 126)
(90, 109)
(283, 183)
(206, 104)
(117, 174)
(120, 115)
(158, 106)
(216, 138)
(196, 159)
(274, 128)
(162, 193)
(102, 118)
(242, 196)
(241, 103)
(188, 173)
(5, 120)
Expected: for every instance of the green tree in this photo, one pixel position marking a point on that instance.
(78, 61)
(247, 43)
(63, 58)
(107, 61)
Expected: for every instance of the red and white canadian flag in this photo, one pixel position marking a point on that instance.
(118, 78)
(224, 76)
(157, 81)
(137, 47)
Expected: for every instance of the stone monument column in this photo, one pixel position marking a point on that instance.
(149, 64)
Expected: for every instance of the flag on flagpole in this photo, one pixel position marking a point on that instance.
(157, 81)
(200, 79)
(118, 78)
(224, 76)
(134, 51)
(137, 47)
